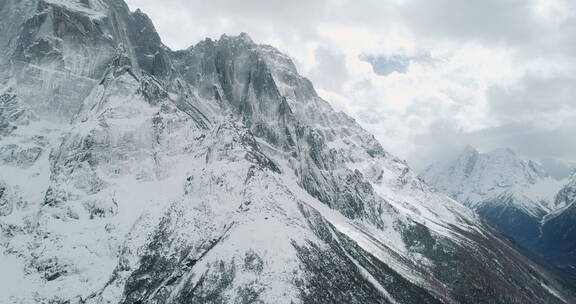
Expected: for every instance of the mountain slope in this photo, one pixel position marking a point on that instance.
(132, 173)
(558, 234)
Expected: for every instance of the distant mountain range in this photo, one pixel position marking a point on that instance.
(516, 196)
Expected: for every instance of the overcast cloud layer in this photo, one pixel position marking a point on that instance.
(426, 77)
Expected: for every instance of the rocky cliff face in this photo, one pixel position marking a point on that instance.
(57, 50)
(131, 173)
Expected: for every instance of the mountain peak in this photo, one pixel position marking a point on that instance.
(503, 152)
(469, 149)
(475, 177)
(242, 38)
(245, 36)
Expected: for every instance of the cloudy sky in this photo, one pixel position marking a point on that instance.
(426, 77)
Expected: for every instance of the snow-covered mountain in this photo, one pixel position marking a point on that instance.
(516, 196)
(512, 194)
(474, 177)
(131, 173)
